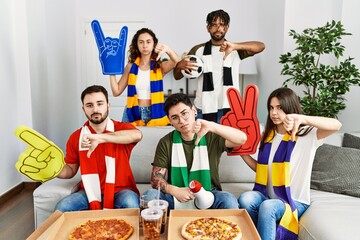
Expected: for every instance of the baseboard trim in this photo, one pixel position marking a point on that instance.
(17, 189)
(31, 185)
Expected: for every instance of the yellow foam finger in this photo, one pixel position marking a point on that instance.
(32, 137)
(42, 160)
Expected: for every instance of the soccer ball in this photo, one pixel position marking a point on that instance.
(194, 73)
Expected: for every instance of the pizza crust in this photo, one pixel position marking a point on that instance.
(102, 229)
(210, 229)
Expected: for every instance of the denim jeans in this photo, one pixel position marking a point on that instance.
(220, 114)
(78, 201)
(145, 113)
(223, 200)
(266, 212)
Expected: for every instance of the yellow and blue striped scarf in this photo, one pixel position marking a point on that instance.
(288, 227)
(158, 115)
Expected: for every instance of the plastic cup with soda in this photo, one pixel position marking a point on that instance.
(151, 223)
(163, 205)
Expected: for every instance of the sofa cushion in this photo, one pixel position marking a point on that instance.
(330, 216)
(237, 188)
(335, 169)
(48, 194)
(351, 141)
(143, 153)
(233, 169)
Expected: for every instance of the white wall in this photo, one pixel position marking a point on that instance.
(271, 31)
(350, 19)
(41, 55)
(53, 51)
(15, 88)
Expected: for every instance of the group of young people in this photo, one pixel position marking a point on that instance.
(101, 148)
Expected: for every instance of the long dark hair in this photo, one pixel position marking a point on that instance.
(289, 103)
(134, 49)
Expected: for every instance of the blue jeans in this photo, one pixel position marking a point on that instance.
(145, 113)
(223, 200)
(266, 212)
(78, 201)
(220, 114)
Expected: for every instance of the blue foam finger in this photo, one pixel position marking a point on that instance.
(111, 50)
(122, 44)
(99, 35)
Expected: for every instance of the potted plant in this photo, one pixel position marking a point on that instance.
(324, 85)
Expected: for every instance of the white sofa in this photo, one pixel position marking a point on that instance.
(330, 216)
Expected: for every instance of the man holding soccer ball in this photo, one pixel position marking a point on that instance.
(221, 60)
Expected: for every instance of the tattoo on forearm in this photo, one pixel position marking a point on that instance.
(158, 178)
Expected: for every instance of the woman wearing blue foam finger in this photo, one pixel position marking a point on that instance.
(283, 170)
(143, 76)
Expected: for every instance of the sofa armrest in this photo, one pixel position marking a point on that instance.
(47, 195)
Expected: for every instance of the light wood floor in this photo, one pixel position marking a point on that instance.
(17, 216)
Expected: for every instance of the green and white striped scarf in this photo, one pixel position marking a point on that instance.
(200, 170)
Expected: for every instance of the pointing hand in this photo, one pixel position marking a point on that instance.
(42, 160)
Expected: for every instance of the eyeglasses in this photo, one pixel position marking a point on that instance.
(184, 115)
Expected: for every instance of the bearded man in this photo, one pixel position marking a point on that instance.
(101, 148)
(221, 60)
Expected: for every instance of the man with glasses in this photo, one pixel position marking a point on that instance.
(191, 152)
(221, 66)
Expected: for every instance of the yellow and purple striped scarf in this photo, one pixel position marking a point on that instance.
(288, 227)
(158, 115)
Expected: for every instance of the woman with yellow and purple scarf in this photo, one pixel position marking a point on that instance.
(143, 77)
(283, 169)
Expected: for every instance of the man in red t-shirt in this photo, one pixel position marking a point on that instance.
(101, 149)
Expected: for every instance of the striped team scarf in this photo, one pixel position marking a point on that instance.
(209, 100)
(200, 169)
(90, 175)
(288, 227)
(158, 115)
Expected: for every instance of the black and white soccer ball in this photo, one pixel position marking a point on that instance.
(194, 73)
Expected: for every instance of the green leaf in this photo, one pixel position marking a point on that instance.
(324, 85)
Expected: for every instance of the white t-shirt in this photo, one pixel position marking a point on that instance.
(217, 72)
(143, 84)
(302, 158)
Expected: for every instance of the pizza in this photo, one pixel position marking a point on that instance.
(110, 229)
(211, 228)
